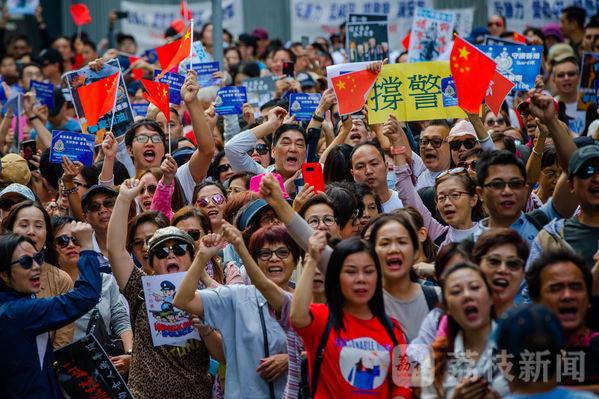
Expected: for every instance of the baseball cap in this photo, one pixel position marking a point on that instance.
(260, 33)
(14, 170)
(182, 155)
(96, 189)
(559, 52)
(305, 80)
(252, 210)
(170, 233)
(553, 30)
(580, 156)
(18, 189)
(460, 129)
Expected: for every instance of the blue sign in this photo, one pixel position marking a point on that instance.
(2, 92)
(303, 105)
(230, 99)
(597, 92)
(75, 146)
(520, 64)
(205, 71)
(174, 82)
(140, 109)
(44, 92)
(151, 56)
(448, 92)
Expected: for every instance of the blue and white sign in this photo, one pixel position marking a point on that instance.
(44, 92)
(230, 99)
(448, 92)
(260, 90)
(205, 71)
(140, 109)
(75, 146)
(303, 105)
(3, 97)
(520, 64)
(174, 82)
(22, 7)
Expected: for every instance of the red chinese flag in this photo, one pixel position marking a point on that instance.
(499, 87)
(519, 38)
(405, 42)
(80, 14)
(97, 99)
(157, 94)
(185, 11)
(472, 71)
(170, 55)
(137, 73)
(352, 89)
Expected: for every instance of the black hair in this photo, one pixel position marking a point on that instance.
(269, 104)
(90, 44)
(332, 285)
(8, 244)
(121, 37)
(120, 172)
(498, 237)
(493, 158)
(370, 143)
(403, 219)
(58, 222)
(285, 128)
(508, 142)
(318, 199)
(147, 123)
(346, 202)
(473, 152)
(207, 183)
(363, 189)
(156, 218)
(575, 14)
(27, 65)
(337, 166)
(549, 157)
(448, 251)
(214, 164)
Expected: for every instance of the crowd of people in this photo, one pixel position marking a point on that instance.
(442, 258)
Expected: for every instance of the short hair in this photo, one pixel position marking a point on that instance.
(551, 257)
(549, 157)
(147, 123)
(271, 234)
(8, 244)
(363, 189)
(508, 142)
(367, 143)
(345, 200)
(207, 183)
(27, 65)
(188, 212)
(156, 218)
(318, 199)
(121, 37)
(593, 23)
(497, 158)
(473, 152)
(286, 127)
(575, 14)
(496, 237)
(91, 44)
(572, 60)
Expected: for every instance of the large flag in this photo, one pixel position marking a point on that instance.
(157, 94)
(499, 87)
(80, 14)
(472, 71)
(170, 55)
(98, 98)
(352, 89)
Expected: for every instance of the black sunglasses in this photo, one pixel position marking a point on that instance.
(194, 234)
(468, 144)
(177, 249)
(26, 261)
(261, 149)
(64, 240)
(108, 203)
(586, 171)
(223, 168)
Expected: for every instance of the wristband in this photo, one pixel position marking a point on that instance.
(317, 118)
(401, 150)
(69, 191)
(485, 139)
(34, 117)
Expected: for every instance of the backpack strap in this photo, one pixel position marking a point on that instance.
(430, 294)
(537, 218)
(389, 328)
(319, 356)
(271, 387)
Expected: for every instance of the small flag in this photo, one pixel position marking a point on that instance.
(499, 87)
(185, 11)
(80, 14)
(519, 38)
(352, 89)
(98, 98)
(157, 94)
(405, 42)
(136, 73)
(170, 55)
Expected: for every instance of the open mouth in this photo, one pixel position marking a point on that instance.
(356, 136)
(149, 156)
(212, 212)
(594, 190)
(360, 291)
(531, 127)
(172, 268)
(449, 213)
(394, 263)
(147, 203)
(568, 312)
(471, 312)
(291, 160)
(500, 284)
(507, 204)
(35, 280)
(274, 270)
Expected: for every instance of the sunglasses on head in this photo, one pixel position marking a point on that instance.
(217, 199)
(64, 240)
(108, 203)
(454, 171)
(177, 249)
(261, 149)
(468, 144)
(223, 168)
(26, 261)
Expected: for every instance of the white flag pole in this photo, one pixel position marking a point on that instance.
(191, 45)
(117, 83)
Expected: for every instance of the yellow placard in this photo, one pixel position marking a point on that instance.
(414, 92)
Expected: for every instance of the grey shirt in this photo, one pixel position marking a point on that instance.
(410, 313)
(236, 151)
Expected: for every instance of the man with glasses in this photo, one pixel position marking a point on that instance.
(434, 152)
(566, 77)
(97, 204)
(496, 25)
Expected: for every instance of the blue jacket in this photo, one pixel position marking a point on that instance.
(24, 324)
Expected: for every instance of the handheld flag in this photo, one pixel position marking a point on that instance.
(98, 98)
(185, 11)
(352, 89)
(519, 38)
(499, 87)
(157, 94)
(170, 55)
(80, 14)
(136, 73)
(472, 71)
(405, 42)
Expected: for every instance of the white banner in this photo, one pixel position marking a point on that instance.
(520, 14)
(314, 18)
(148, 22)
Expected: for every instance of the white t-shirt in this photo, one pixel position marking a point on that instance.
(186, 181)
(579, 118)
(426, 179)
(392, 203)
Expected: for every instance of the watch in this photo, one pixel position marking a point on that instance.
(401, 150)
(317, 118)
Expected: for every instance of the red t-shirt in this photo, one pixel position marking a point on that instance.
(357, 362)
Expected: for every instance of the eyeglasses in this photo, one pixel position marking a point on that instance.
(26, 261)
(266, 254)
(223, 168)
(140, 242)
(551, 173)
(495, 122)
(150, 189)
(515, 184)
(586, 171)
(217, 199)
(108, 203)
(453, 196)
(6, 204)
(569, 74)
(435, 142)
(495, 23)
(454, 171)
(494, 261)
(79, 184)
(194, 234)
(144, 138)
(328, 220)
(64, 240)
(469, 165)
(176, 249)
(261, 149)
(468, 144)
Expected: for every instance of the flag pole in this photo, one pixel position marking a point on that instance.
(191, 45)
(17, 127)
(168, 130)
(118, 81)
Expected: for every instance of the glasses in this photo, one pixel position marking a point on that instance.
(515, 184)
(150, 189)
(144, 138)
(469, 165)
(453, 196)
(223, 168)
(217, 199)
(64, 240)
(551, 173)
(108, 203)
(281, 252)
(468, 144)
(26, 261)
(497, 23)
(194, 234)
(494, 261)
(585, 172)
(495, 122)
(435, 142)
(454, 171)
(139, 243)
(176, 249)
(79, 184)
(261, 149)
(327, 220)
(569, 74)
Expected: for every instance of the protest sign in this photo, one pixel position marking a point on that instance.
(174, 82)
(340, 69)
(431, 34)
(199, 55)
(303, 105)
(204, 71)
(519, 64)
(85, 371)
(413, 92)
(3, 97)
(123, 115)
(230, 99)
(23, 7)
(495, 41)
(259, 90)
(44, 92)
(74, 145)
(463, 18)
(169, 325)
(140, 109)
(589, 73)
(367, 37)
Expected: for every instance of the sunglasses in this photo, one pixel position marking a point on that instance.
(150, 189)
(266, 254)
(435, 142)
(26, 261)
(140, 242)
(144, 138)
(261, 149)
(569, 74)
(498, 23)
(586, 171)
(469, 165)
(495, 122)
(223, 168)
(64, 240)
(176, 249)
(495, 261)
(468, 144)
(108, 203)
(217, 199)
(194, 234)
(515, 184)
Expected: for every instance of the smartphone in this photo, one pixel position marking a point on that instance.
(256, 180)
(29, 148)
(122, 14)
(312, 173)
(288, 68)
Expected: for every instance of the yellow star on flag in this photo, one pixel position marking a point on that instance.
(341, 85)
(187, 35)
(464, 53)
(164, 92)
